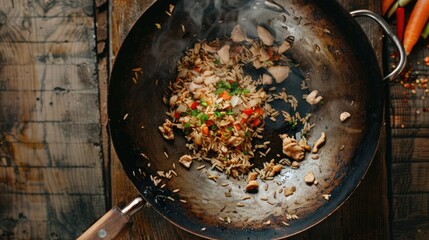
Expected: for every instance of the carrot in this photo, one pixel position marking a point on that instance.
(225, 95)
(205, 130)
(385, 5)
(415, 25)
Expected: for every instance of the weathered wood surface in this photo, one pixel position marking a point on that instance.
(51, 181)
(410, 150)
(363, 216)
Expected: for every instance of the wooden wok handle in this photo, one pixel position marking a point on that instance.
(386, 28)
(113, 223)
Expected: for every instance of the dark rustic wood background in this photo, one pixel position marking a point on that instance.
(59, 172)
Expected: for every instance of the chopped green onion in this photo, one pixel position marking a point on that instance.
(204, 103)
(195, 112)
(229, 128)
(204, 118)
(214, 127)
(217, 114)
(227, 85)
(217, 61)
(187, 125)
(245, 152)
(245, 91)
(219, 90)
(247, 134)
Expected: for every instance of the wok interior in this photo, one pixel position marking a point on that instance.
(335, 58)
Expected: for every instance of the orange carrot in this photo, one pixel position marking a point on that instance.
(225, 95)
(205, 130)
(415, 25)
(385, 5)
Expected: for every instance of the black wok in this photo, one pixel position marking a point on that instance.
(334, 57)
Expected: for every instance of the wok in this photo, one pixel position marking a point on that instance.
(334, 57)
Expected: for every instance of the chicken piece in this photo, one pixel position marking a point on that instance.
(266, 37)
(252, 186)
(252, 176)
(263, 55)
(224, 54)
(257, 64)
(312, 98)
(167, 130)
(279, 73)
(209, 48)
(291, 148)
(303, 143)
(309, 178)
(344, 116)
(238, 33)
(284, 47)
(295, 164)
(173, 100)
(319, 142)
(289, 191)
(267, 79)
(186, 160)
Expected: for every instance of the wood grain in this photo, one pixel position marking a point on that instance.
(51, 179)
(363, 216)
(410, 153)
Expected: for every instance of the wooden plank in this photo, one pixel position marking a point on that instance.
(46, 53)
(412, 177)
(51, 173)
(51, 132)
(408, 132)
(50, 155)
(70, 77)
(411, 219)
(51, 180)
(59, 105)
(51, 220)
(49, 8)
(407, 150)
(42, 29)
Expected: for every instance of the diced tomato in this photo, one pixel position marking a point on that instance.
(238, 127)
(194, 105)
(270, 52)
(176, 115)
(243, 121)
(225, 95)
(205, 130)
(248, 111)
(197, 69)
(256, 122)
(209, 123)
(258, 111)
(238, 148)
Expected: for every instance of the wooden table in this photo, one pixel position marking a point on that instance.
(59, 172)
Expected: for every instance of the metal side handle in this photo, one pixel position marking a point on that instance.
(388, 31)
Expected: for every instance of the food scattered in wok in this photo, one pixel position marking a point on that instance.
(222, 110)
